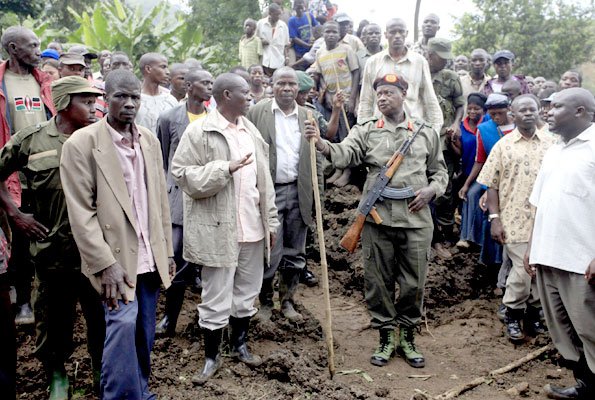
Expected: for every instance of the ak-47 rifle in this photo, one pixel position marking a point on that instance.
(379, 192)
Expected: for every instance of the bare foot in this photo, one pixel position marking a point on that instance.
(344, 178)
(336, 175)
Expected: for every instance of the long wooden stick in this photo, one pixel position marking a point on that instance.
(342, 106)
(327, 326)
(457, 391)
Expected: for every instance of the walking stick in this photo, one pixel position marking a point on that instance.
(327, 326)
(345, 120)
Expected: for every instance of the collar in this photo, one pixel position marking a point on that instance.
(516, 135)
(275, 107)
(386, 54)
(222, 123)
(118, 137)
(585, 136)
(468, 128)
(386, 124)
(52, 128)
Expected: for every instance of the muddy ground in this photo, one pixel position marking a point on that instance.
(461, 338)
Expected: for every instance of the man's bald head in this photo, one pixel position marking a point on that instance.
(433, 17)
(512, 88)
(14, 34)
(522, 99)
(227, 82)
(572, 112)
(120, 77)
(148, 59)
(196, 75)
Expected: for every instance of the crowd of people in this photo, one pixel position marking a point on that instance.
(113, 188)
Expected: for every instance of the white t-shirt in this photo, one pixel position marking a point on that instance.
(152, 107)
(564, 194)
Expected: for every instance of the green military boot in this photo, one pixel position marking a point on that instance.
(407, 348)
(59, 386)
(385, 349)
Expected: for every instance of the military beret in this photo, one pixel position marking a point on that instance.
(393, 80)
(305, 82)
(441, 46)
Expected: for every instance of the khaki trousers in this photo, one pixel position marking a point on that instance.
(569, 307)
(231, 291)
(521, 290)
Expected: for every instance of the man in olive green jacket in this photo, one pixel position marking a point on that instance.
(395, 250)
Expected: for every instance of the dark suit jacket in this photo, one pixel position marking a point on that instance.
(261, 115)
(170, 127)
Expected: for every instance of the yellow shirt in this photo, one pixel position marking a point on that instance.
(194, 117)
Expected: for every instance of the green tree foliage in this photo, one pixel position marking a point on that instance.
(14, 12)
(222, 23)
(116, 26)
(547, 36)
(58, 15)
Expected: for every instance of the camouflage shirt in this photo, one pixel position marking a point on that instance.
(449, 91)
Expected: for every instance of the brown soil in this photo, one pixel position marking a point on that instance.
(461, 338)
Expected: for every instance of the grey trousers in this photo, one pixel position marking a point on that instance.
(521, 290)
(569, 306)
(290, 245)
(231, 291)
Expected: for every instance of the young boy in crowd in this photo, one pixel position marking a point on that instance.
(250, 49)
(337, 70)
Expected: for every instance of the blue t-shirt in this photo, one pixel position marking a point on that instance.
(301, 28)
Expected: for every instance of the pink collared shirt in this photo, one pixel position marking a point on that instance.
(133, 168)
(248, 218)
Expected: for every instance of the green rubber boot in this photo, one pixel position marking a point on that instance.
(59, 386)
(407, 348)
(385, 349)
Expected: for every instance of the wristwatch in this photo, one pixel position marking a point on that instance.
(492, 217)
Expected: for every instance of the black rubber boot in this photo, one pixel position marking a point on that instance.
(584, 388)
(239, 337)
(212, 357)
(514, 332)
(290, 279)
(174, 298)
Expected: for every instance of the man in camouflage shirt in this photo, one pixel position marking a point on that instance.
(449, 91)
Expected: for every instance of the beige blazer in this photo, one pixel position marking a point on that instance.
(99, 207)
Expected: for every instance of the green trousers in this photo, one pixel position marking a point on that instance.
(56, 292)
(395, 256)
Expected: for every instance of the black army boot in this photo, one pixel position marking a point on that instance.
(212, 357)
(239, 337)
(532, 323)
(290, 279)
(514, 332)
(584, 388)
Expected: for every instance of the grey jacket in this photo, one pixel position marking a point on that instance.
(170, 127)
(200, 167)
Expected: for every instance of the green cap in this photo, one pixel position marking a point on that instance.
(305, 81)
(64, 87)
(72, 59)
(442, 47)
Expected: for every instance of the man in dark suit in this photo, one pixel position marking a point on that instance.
(280, 121)
(170, 128)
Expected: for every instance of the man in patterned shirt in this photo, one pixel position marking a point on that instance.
(509, 173)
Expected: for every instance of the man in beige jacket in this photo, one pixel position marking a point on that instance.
(113, 181)
(230, 217)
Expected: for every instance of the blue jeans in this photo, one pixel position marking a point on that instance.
(129, 336)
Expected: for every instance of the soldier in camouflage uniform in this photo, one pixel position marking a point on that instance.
(396, 250)
(448, 89)
(58, 281)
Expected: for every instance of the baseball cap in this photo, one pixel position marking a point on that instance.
(83, 51)
(72, 59)
(507, 54)
(442, 47)
(342, 17)
(50, 53)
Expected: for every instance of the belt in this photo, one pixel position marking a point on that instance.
(397, 194)
(286, 183)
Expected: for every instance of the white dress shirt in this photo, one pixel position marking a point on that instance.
(564, 194)
(287, 141)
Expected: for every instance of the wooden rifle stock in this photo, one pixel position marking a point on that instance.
(351, 238)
